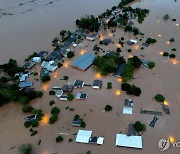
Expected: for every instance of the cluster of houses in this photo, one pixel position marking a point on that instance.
(122, 140)
(97, 84)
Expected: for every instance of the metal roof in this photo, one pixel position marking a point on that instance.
(129, 141)
(84, 61)
(26, 84)
(83, 136)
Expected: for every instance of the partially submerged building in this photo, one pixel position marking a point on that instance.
(92, 37)
(84, 61)
(85, 136)
(123, 140)
(131, 42)
(97, 84)
(106, 41)
(127, 110)
(81, 95)
(119, 70)
(128, 102)
(67, 88)
(78, 84)
(25, 84)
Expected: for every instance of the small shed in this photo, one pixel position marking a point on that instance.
(127, 110)
(81, 95)
(78, 84)
(97, 84)
(36, 59)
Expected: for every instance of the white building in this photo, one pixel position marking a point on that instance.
(123, 140)
(36, 59)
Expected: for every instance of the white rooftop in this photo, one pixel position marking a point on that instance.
(127, 110)
(100, 140)
(83, 136)
(129, 141)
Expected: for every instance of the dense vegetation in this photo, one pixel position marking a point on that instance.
(90, 23)
(131, 89)
(132, 64)
(106, 64)
(139, 127)
(45, 78)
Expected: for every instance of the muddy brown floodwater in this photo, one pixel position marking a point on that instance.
(20, 34)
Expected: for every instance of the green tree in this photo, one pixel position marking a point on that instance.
(159, 98)
(59, 139)
(70, 97)
(70, 54)
(151, 65)
(45, 78)
(25, 149)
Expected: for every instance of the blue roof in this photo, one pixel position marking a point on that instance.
(84, 61)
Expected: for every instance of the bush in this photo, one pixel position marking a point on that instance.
(88, 152)
(25, 149)
(34, 123)
(131, 89)
(172, 55)
(83, 124)
(129, 50)
(26, 109)
(52, 92)
(51, 103)
(65, 77)
(150, 41)
(151, 65)
(171, 40)
(39, 94)
(109, 85)
(70, 54)
(45, 78)
(173, 49)
(27, 124)
(166, 17)
(70, 140)
(165, 54)
(59, 65)
(159, 98)
(118, 50)
(108, 108)
(139, 127)
(70, 97)
(53, 118)
(55, 110)
(35, 73)
(59, 139)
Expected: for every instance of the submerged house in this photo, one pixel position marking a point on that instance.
(36, 59)
(92, 37)
(81, 95)
(49, 66)
(131, 42)
(97, 84)
(78, 84)
(83, 62)
(85, 136)
(67, 88)
(119, 70)
(123, 140)
(128, 102)
(25, 84)
(106, 41)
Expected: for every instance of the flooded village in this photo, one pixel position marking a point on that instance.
(110, 86)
